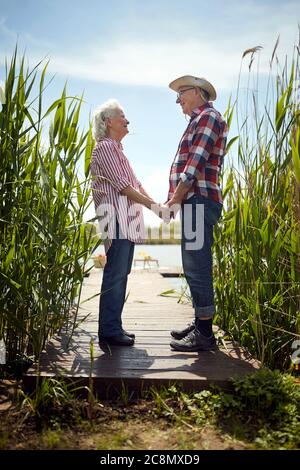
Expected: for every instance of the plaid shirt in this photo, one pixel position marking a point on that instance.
(200, 154)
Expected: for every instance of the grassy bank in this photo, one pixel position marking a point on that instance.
(261, 411)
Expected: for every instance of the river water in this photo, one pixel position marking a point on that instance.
(168, 256)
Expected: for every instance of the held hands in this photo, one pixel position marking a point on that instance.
(174, 207)
(162, 211)
(166, 211)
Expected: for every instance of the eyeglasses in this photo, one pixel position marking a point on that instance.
(183, 91)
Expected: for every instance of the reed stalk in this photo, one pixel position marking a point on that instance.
(257, 243)
(44, 241)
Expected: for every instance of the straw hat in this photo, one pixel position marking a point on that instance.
(189, 80)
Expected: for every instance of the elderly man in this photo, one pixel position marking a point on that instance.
(118, 196)
(194, 185)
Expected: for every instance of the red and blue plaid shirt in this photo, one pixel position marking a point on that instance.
(200, 154)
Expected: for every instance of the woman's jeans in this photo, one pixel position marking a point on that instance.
(113, 290)
(198, 216)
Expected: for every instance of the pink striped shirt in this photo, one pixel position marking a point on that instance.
(111, 172)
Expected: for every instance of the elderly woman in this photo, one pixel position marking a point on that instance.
(118, 196)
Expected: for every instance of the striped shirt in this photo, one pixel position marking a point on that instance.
(111, 172)
(200, 154)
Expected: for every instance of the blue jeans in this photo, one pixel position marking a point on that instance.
(198, 216)
(113, 290)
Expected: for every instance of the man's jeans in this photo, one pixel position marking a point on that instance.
(199, 215)
(113, 290)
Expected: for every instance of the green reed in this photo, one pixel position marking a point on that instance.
(44, 243)
(257, 243)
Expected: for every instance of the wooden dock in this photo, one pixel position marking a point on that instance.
(150, 362)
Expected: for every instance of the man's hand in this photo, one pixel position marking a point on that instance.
(174, 206)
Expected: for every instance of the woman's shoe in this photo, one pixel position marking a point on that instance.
(130, 335)
(119, 340)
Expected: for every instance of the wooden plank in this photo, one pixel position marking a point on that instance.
(174, 367)
(151, 361)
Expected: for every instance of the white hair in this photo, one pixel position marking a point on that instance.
(204, 94)
(104, 111)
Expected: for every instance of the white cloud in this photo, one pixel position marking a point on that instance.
(5, 31)
(9, 38)
(155, 64)
(138, 59)
(133, 58)
(149, 64)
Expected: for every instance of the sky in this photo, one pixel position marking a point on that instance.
(131, 50)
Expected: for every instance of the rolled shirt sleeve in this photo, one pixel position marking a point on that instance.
(187, 179)
(204, 137)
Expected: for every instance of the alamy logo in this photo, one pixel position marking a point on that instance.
(295, 357)
(2, 96)
(2, 352)
(193, 223)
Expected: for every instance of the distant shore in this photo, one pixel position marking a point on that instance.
(162, 242)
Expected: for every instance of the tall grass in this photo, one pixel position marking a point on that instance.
(257, 248)
(44, 243)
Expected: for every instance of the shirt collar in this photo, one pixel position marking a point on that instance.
(199, 109)
(116, 142)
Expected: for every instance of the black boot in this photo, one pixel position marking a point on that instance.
(130, 335)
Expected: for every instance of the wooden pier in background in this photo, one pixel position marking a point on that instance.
(150, 362)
